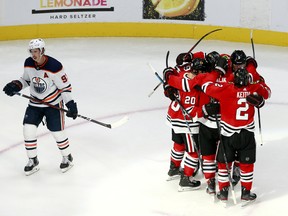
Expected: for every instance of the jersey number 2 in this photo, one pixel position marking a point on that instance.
(240, 112)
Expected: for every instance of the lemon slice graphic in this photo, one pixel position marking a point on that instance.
(172, 8)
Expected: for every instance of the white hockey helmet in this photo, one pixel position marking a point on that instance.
(37, 43)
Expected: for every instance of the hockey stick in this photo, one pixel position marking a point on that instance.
(111, 126)
(167, 56)
(258, 109)
(201, 40)
(252, 43)
(225, 159)
(185, 113)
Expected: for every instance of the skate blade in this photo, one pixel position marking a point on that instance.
(182, 189)
(34, 170)
(171, 178)
(67, 168)
(246, 202)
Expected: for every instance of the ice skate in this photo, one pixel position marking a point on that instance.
(211, 186)
(174, 172)
(222, 195)
(247, 197)
(66, 163)
(32, 166)
(186, 184)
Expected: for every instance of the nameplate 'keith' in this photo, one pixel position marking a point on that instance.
(242, 94)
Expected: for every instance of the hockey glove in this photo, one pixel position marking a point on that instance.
(12, 87)
(222, 65)
(262, 79)
(184, 57)
(255, 100)
(72, 109)
(197, 88)
(167, 72)
(211, 109)
(250, 60)
(170, 92)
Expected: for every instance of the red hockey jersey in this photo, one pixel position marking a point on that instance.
(178, 118)
(236, 113)
(188, 85)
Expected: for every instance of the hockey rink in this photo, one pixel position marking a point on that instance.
(123, 171)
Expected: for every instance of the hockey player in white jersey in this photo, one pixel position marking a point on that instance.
(48, 83)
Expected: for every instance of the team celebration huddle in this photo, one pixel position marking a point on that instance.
(214, 98)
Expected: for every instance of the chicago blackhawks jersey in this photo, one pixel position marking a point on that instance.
(188, 85)
(236, 113)
(178, 118)
(47, 82)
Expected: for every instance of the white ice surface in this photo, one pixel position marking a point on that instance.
(123, 171)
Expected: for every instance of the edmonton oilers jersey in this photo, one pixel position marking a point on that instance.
(47, 82)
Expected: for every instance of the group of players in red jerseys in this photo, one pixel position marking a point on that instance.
(213, 101)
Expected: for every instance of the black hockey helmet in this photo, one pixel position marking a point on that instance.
(211, 59)
(198, 64)
(238, 57)
(183, 58)
(241, 77)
